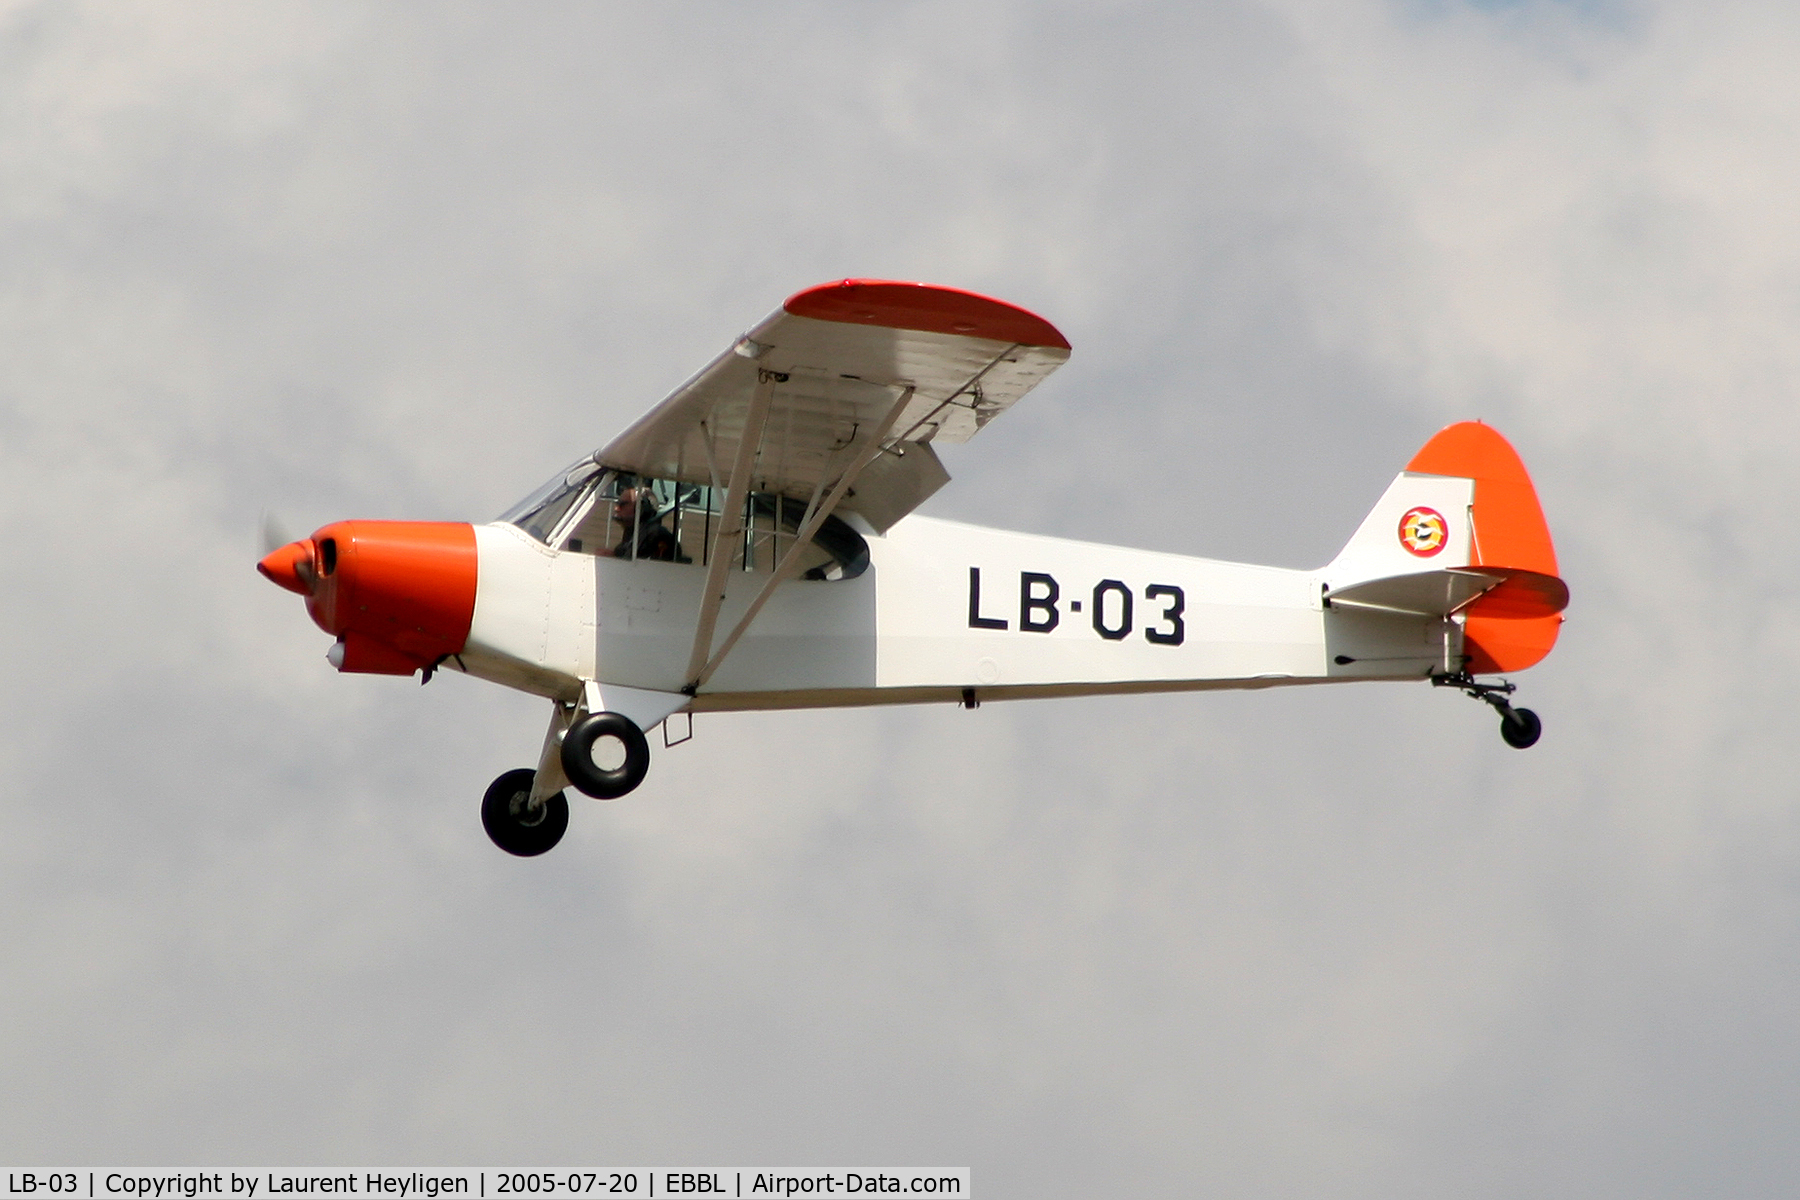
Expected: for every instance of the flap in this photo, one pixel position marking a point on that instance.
(895, 483)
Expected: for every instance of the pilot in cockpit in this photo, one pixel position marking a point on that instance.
(644, 535)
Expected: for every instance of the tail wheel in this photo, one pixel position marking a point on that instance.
(605, 755)
(1520, 728)
(515, 824)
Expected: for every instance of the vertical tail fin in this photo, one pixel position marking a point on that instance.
(1421, 523)
(1466, 501)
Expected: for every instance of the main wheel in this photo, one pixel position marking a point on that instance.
(605, 755)
(1521, 728)
(512, 822)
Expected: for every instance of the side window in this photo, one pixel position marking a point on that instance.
(635, 517)
(617, 514)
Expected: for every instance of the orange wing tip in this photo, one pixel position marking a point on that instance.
(925, 308)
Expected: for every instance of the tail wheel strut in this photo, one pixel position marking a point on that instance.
(1519, 727)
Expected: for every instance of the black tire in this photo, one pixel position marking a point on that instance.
(513, 827)
(592, 779)
(1521, 728)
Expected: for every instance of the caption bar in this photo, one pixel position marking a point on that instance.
(91, 1183)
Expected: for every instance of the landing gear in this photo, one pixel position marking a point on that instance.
(605, 755)
(1519, 727)
(518, 826)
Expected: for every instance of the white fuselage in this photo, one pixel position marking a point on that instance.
(943, 608)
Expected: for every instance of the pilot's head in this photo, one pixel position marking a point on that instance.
(634, 504)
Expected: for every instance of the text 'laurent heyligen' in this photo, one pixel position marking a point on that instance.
(415, 1184)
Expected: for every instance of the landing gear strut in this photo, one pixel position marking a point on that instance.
(517, 825)
(1519, 727)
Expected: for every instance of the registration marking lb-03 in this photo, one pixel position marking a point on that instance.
(1109, 606)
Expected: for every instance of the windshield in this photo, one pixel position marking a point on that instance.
(541, 512)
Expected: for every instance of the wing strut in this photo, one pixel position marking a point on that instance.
(731, 521)
(802, 539)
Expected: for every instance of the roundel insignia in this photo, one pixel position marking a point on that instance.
(1423, 531)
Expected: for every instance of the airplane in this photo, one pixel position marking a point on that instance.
(751, 543)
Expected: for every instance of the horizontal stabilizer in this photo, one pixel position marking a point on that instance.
(1507, 592)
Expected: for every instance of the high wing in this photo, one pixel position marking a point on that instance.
(842, 369)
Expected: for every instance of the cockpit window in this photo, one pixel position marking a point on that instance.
(615, 514)
(541, 512)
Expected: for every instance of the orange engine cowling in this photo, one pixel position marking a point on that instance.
(398, 595)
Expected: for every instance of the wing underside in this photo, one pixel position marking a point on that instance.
(835, 362)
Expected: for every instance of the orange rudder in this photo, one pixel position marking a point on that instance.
(1507, 629)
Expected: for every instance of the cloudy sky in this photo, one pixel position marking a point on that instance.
(407, 260)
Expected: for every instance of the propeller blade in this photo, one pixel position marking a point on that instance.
(274, 534)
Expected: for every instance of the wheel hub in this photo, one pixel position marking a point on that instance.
(525, 812)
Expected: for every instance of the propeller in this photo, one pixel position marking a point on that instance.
(274, 533)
